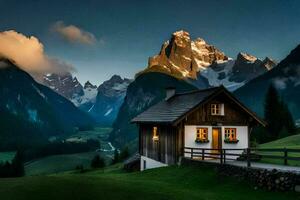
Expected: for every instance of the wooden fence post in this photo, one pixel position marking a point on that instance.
(203, 154)
(285, 156)
(221, 156)
(248, 157)
(192, 150)
(224, 156)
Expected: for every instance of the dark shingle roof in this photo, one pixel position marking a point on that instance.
(167, 111)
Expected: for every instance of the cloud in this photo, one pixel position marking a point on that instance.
(280, 83)
(74, 34)
(28, 53)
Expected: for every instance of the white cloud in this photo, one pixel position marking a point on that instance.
(29, 55)
(280, 83)
(74, 34)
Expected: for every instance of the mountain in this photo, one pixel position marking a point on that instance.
(285, 77)
(201, 63)
(183, 58)
(29, 104)
(102, 103)
(146, 90)
(64, 85)
(109, 98)
(235, 73)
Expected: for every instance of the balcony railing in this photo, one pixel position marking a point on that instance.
(248, 155)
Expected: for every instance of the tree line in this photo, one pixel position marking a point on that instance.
(280, 122)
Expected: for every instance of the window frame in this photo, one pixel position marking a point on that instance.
(201, 135)
(228, 134)
(217, 109)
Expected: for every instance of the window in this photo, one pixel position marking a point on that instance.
(155, 133)
(217, 109)
(230, 134)
(202, 135)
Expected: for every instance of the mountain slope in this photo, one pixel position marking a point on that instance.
(286, 78)
(109, 99)
(35, 105)
(146, 90)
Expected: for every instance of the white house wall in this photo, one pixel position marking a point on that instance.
(150, 163)
(241, 134)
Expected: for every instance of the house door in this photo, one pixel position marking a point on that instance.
(216, 139)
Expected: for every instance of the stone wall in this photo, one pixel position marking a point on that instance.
(261, 178)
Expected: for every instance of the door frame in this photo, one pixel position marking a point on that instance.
(219, 138)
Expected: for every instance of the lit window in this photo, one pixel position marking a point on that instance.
(230, 134)
(155, 133)
(216, 109)
(202, 134)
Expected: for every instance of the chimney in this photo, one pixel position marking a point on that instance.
(170, 91)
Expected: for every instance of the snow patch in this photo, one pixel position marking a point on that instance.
(108, 112)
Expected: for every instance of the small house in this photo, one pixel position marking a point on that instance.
(212, 118)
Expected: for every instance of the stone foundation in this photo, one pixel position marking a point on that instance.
(261, 178)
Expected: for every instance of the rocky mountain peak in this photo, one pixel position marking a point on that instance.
(65, 85)
(269, 63)
(245, 57)
(115, 86)
(88, 84)
(183, 58)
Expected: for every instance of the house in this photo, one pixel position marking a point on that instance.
(211, 118)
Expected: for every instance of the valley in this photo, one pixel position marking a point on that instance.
(66, 162)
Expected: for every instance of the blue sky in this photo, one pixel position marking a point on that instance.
(128, 32)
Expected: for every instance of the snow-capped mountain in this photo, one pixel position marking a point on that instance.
(102, 102)
(64, 85)
(88, 96)
(195, 59)
(109, 98)
(235, 73)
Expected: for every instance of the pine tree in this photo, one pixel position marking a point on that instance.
(97, 162)
(124, 153)
(116, 158)
(17, 165)
(271, 112)
(278, 117)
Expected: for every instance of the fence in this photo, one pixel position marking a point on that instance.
(249, 154)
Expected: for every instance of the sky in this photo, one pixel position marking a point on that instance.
(97, 39)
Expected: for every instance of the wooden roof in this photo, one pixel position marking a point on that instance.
(173, 110)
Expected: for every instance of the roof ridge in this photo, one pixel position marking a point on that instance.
(196, 91)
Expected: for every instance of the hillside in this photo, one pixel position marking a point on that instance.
(285, 77)
(31, 110)
(162, 183)
(287, 142)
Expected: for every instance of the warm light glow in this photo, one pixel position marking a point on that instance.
(230, 134)
(202, 134)
(155, 134)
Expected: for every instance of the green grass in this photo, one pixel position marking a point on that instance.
(59, 163)
(163, 183)
(291, 142)
(7, 156)
(66, 162)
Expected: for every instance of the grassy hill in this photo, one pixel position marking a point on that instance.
(162, 183)
(291, 142)
(59, 163)
(287, 142)
(7, 156)
(66, 162)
